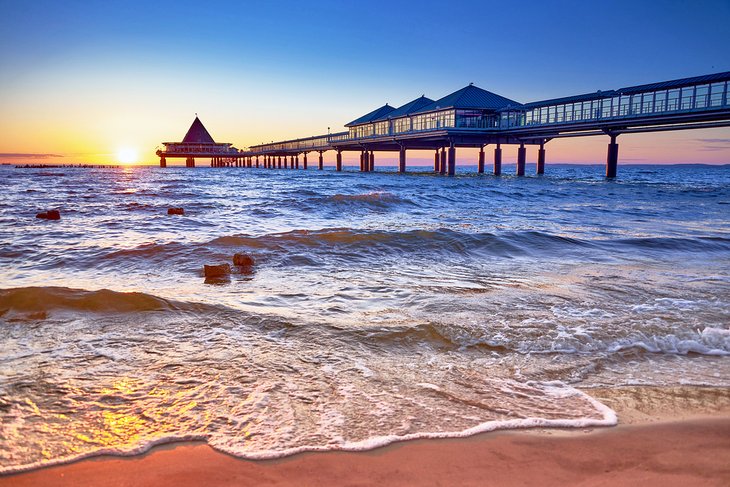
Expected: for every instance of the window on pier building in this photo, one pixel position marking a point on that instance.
(702, 96)
(717, 91)
(606, 104)
(660, 101)
(473, 119)
(434, 120)
(401, 125)
(382, 128)
(673, 100)
(636, 104)
(687, 98)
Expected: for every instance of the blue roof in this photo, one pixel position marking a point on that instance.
(571, 99)
(369, 117)
(676, 83)
(471, 97)
(410, 107)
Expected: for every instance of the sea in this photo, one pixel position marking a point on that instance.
(380, 306)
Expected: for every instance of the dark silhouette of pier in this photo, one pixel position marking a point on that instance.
(476, 118)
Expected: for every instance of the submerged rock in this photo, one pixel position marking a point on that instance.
(243, 260)
(222, 270)
(176, 211)
(49, 215)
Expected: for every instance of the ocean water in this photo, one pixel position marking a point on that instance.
(380, 306)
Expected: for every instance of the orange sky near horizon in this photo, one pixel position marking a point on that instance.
(96, 134)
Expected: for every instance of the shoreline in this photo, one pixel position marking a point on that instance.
(671, 435)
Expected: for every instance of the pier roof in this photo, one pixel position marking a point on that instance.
(197, 134)
(410, 107)
(471, 97)
(375, 114)
(676, 83)
(571, 99)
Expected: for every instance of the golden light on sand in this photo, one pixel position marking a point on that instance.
(127, 155)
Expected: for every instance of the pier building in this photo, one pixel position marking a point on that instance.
(198, 143)
(476, 118)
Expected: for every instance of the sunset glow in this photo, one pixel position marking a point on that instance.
(127, 155)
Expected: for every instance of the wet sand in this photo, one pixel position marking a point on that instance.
(667, 436)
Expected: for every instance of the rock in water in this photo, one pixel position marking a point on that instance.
(175, 211)
(221, 270)
(243, 260)
(49, 215)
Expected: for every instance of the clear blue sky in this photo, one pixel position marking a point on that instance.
(320, 64)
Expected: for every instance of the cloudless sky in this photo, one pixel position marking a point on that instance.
(85, 79)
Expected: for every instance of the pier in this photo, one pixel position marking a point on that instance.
(473, 117)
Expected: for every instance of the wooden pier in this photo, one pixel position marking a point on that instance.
(476, 118)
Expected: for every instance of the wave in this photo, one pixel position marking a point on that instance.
(595, 414)
(297, 247)
(446, 240)
(44, 299)
(708, 341)
(697, 244)
(441, 241)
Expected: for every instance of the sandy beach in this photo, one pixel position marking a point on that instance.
(666, 436)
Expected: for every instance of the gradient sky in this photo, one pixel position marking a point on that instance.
(82, 80)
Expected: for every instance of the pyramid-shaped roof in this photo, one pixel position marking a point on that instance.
(197, 134)
(471, 97)
(410, 107)
(375, 114)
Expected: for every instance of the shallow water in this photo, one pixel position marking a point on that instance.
(381, 306)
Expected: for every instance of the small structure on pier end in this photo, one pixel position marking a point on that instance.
(198, 143)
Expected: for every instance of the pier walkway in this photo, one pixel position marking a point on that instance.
(474, 117)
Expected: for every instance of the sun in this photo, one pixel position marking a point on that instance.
(127, 155)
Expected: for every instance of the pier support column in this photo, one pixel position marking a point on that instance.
(541, 159)
(442, 166)
(436, 162)
(402, 160)
(296, 159)
(163, 162)
(452, 159)
(521, 157)
(498, 160)
(338, 164)
(257, 162)
(480, 164)
(291, 162)
(304, 162)
(279, 161)
(320, 165)
(612, 159)
(362, 161)
(372, 161)
(250, 162)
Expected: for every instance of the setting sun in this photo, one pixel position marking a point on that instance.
(127, 155)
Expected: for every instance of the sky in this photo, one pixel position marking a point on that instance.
(84, 81)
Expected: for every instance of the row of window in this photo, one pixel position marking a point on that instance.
(677, 99)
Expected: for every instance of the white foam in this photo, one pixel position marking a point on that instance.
(608, 418)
